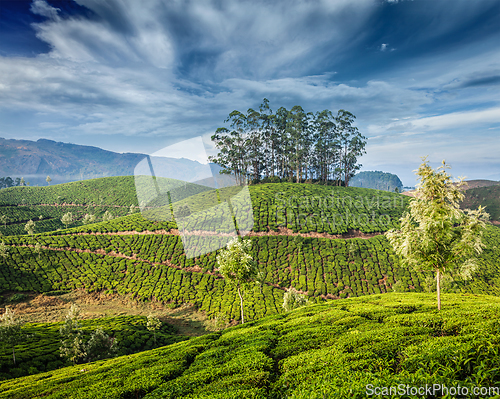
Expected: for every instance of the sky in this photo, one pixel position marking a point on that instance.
(422, 77)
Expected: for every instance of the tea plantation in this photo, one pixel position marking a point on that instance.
(40, 350)
(327, 242)
(338, 349)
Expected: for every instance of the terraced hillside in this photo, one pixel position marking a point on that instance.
(303, 236)
(349, 348)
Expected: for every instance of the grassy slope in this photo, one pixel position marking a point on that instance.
(329, 350)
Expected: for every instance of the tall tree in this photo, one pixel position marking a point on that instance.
(237, 267)
(435, 234)
(4, 250)
(352, 144)
(4, 219)
(67, 219)
(72, 346)
(48, 180)
(153, 324)
(30, 227)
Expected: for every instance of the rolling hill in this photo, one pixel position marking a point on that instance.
(327, 242)
(339, 349)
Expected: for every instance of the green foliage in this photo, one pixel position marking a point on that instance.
(153, 324)
(332, 350)
(100, 346)
(72, 345)
(435, 234)
(236, 265)
(30, 227)
(107, 216)
(39, 349)
(67, 219)
(4, 250)
(293, 299)
(10, 330)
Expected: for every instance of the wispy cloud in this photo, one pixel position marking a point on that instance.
(171, 70)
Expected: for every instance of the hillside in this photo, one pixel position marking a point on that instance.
(338, 349)
(303, 236)
(299, 207)
(488, 196)
(376, 180)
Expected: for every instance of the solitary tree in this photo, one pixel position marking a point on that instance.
(72, 346)
(107, 216)
(88, 218)
(4, 250)
(10, 330)
(67, 219)
(435, 234)
(38, 249)
(30, 227)
(100, 346)
(238, 267)
(48, 180)
(293, 299)
(22, 182)
(153, 324)
(4, 219)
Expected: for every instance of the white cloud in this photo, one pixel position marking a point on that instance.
(42, 8)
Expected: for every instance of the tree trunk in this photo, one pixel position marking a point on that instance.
(241, 306)
(14, 355)
(438, 286)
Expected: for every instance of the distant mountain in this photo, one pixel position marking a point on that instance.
(377, 180)
(63, 162)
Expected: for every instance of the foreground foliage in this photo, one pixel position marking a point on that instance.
(39, 349)
(330, 350)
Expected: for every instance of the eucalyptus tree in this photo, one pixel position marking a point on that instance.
(283, 143)
(269, 138)
(352, 144)
(326, 145)
(254, 143)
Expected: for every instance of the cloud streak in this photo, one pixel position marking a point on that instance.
(167, 71)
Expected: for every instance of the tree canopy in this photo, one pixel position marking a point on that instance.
(435, 234)
(292, 145)
(237, 267)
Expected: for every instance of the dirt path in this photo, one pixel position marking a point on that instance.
(281, 232)
(39, 308)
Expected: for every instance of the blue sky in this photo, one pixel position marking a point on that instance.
(422, 76)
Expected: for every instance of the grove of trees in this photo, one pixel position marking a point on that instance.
(289, 145)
